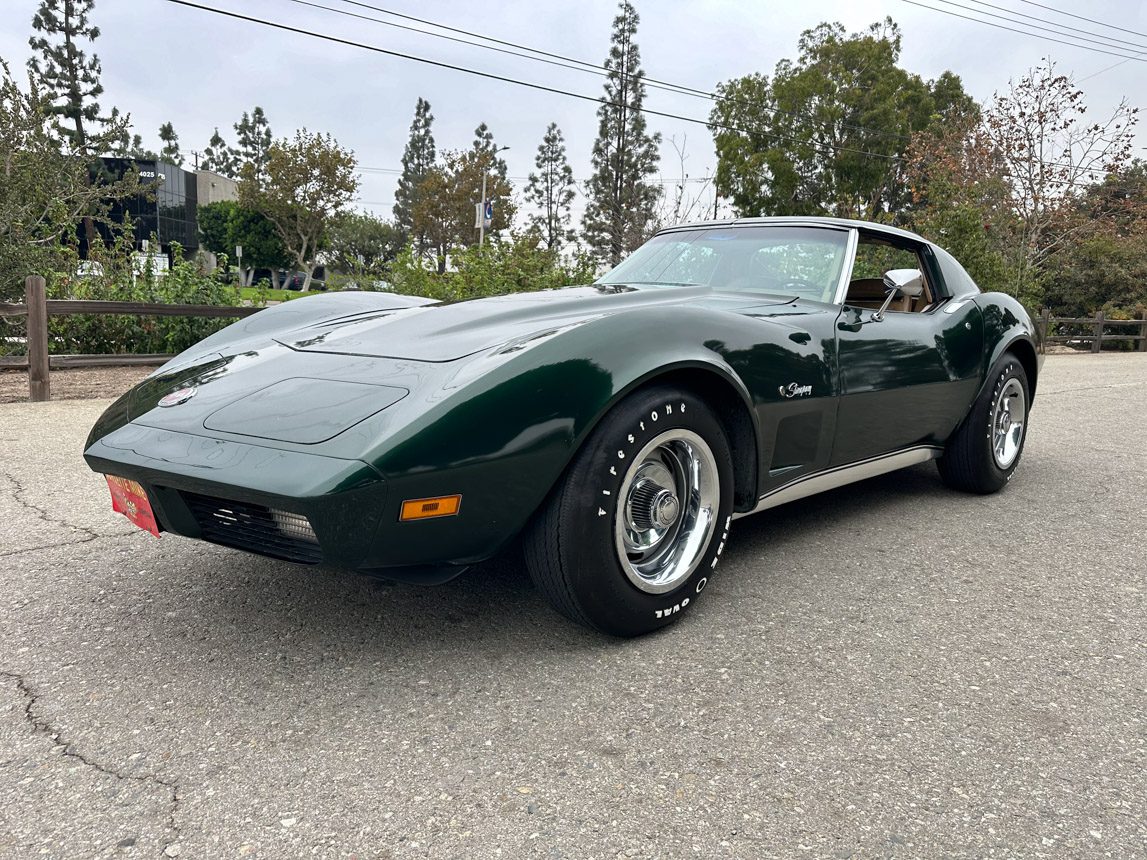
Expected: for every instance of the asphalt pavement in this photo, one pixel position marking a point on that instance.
(892, 669)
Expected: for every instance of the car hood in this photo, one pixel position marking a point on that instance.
(446, 332)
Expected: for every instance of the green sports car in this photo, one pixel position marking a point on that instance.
(617, 430)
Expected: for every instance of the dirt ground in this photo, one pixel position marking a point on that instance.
(86, 383)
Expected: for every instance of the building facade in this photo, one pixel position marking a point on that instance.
(164, 212)
(214, 187)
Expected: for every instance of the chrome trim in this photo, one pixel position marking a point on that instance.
(955, 305)
(840, 476)
(660, 547)
(1007, 430)
(846, 269)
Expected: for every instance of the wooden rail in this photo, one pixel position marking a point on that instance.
(38, 307)
(1096, 331)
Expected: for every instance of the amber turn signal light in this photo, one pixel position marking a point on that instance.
(424, 509)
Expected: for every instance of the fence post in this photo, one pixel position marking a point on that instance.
(1143, 332)
(39, 384)
(1045, 328)
(1097, 344)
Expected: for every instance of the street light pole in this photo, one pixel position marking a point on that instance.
(482, 206)
(482, 215)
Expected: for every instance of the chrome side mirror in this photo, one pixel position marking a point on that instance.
(900, 282)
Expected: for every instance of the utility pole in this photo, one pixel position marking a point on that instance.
(482, 213)
(482, 205)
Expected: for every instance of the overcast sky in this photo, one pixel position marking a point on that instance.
(164, 62)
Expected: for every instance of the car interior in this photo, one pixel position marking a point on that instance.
(876, 255)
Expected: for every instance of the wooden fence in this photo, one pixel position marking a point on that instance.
(37, 308)
(1096, 330)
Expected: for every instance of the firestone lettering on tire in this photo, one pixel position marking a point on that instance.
(672, 610)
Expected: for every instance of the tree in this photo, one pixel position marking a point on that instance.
(170, 141)
(418, 160)
(621, 200)
(551, 190)
(825, 135)
(484, 142)
(45, 188)
(225, 224)
(305, 183)
(444, 213)
(69, 79)
(126, 144)
(253, 135)
(219, 157)
(1051, 153)
(360, 244)
(1017, 187)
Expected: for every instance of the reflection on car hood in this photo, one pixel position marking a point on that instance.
(445, 332)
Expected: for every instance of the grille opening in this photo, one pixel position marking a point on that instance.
(255, 528)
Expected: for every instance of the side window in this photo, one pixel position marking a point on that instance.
(873, 259)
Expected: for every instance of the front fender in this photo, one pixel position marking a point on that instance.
(503, 438)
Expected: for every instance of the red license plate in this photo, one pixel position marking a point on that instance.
(130, 499)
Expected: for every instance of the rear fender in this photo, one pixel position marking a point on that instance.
(1008, 328)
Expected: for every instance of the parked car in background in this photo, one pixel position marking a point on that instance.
(285, 280)
(616, 429)
(296, 280)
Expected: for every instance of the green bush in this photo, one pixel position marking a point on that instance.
(513, 266)
(182, 284)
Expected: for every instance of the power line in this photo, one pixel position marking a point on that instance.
(1101, 71)
(509, 44)
(1106, 41)
(575, 65)
(504, 79)
(1082, 18)
(556, 91)
(1014, 30)
(1061, 26)
(567, 62)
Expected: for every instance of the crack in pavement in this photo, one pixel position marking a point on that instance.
(12, 552)
(18, 496)
(1088, 388)
(66, 748)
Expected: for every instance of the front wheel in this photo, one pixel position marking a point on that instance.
(983, 453)
(631, 535)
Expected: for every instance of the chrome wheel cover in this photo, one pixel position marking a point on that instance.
(1008, 423)
(667, 511)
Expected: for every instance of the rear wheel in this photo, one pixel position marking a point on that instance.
(983, 453)
(630, 537)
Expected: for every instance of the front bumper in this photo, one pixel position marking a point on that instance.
(251, 497)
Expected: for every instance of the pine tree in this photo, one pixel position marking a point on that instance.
(253, 136)
(551, 189)
(219, 157)
(484, 142)
(170, 141)
(621, 201)
(69, 78)
(418, 160)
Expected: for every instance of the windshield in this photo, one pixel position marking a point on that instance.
(789, 261)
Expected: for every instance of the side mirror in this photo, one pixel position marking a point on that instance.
(900, 282)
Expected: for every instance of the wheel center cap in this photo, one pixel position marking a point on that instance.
(665, 509)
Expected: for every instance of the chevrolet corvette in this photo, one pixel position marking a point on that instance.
(615, 430)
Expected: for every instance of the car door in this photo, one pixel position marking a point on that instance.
(907, 378)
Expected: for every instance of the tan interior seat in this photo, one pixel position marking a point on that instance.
(870, 293)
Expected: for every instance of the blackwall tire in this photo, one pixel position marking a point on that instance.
(983, 453)
(631, 536)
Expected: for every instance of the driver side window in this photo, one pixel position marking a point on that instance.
(874, 258)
